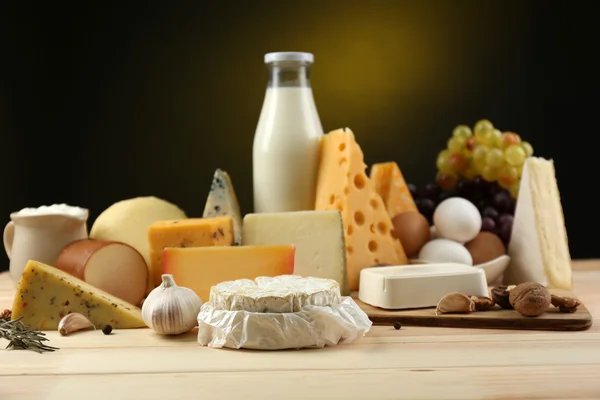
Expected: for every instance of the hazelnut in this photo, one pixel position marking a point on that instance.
(483, 303)
(455, 303)
(530, 299)
(565, 304)
(500, 296)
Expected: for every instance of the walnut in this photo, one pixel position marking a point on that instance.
(530, 299)
(483, 303)
(455, 303)
(565, 304)
(500, 296)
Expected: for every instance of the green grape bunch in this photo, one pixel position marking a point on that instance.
(483, 151)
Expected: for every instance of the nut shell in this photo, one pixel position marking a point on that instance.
(530, 299)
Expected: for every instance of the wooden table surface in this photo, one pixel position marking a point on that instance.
(412, 363)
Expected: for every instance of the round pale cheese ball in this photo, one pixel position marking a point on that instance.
(457, 219)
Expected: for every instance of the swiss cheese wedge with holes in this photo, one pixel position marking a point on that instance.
(342, 184)
(392, 188)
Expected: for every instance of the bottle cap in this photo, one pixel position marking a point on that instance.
(289, 56)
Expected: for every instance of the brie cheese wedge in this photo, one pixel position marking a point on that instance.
(538, 247)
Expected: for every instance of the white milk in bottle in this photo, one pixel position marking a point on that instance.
(286, 142)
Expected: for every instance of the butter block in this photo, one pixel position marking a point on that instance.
(343, 185)
(538, 248)
(222, 202)
(390, 185)
(317, 235)
(418, 286)
(201, 268)
(192, 232)
(46, 294)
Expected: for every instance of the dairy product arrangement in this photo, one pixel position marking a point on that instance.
(324, 228)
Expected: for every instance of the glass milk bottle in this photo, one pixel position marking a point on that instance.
(286, 142)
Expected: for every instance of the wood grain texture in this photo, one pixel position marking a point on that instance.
(497, 318)
(411, 363)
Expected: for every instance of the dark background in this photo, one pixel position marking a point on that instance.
(102, 103)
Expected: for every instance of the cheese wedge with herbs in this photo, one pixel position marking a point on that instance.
(222, 202)
(192, 232)
(343, 185)
(391, 186)
(46, 294)
(538, 247)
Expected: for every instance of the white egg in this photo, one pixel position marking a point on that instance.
(457, 219)
(434, 232)
(445, 251)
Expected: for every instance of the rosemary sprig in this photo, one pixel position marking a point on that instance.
(19, 335)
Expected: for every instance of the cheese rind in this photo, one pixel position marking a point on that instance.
(200, 268)
(538, 247)
(222, 201)
(391, 186)
(317, 235)
(127, 221)
(46, 294)
(280, 294)
(192, 232)
(342, 184)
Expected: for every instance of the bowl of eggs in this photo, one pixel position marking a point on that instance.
(455, 236)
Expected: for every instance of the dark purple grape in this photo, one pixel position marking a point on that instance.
(426, 207)
(487, 224)
(493, 189)
(502, 201)
(482, 205)
(412, 188)
(444, 195)
(478, 182)
(464, 188)
(490, 212)
(505, 219)
(513, 205)
(504, 232)
(429, 191)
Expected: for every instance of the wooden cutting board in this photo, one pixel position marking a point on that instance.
(497, 318)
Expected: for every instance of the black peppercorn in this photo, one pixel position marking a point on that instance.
(397, 325)
(107, 329)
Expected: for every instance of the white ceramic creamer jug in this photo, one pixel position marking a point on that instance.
(41, 233)
(285, 154)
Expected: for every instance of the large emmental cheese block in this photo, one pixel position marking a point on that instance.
(192, 232)
(343, 185)
(200, 268)
(222, 202)
(317, 235)
(46, 294)
(538, 246)
(391, 186)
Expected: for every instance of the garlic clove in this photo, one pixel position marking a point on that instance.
(457, 303)
(74, 322)
(171, 309)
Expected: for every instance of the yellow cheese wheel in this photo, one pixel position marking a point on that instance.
(127, 221)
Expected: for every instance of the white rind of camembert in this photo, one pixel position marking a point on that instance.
(538, 247)
(280, 294)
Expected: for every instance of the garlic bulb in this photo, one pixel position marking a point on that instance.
(170, 309)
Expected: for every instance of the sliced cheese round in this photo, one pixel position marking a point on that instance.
(280, 294)
(127, 222)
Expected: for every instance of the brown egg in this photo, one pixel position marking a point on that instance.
(485, 247)
(412, 229)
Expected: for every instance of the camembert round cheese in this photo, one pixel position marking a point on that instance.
(280, 294)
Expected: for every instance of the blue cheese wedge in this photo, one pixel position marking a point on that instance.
(46, 294)
(280, 294)
(317, 235)
(223, 202)
(538, 247)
